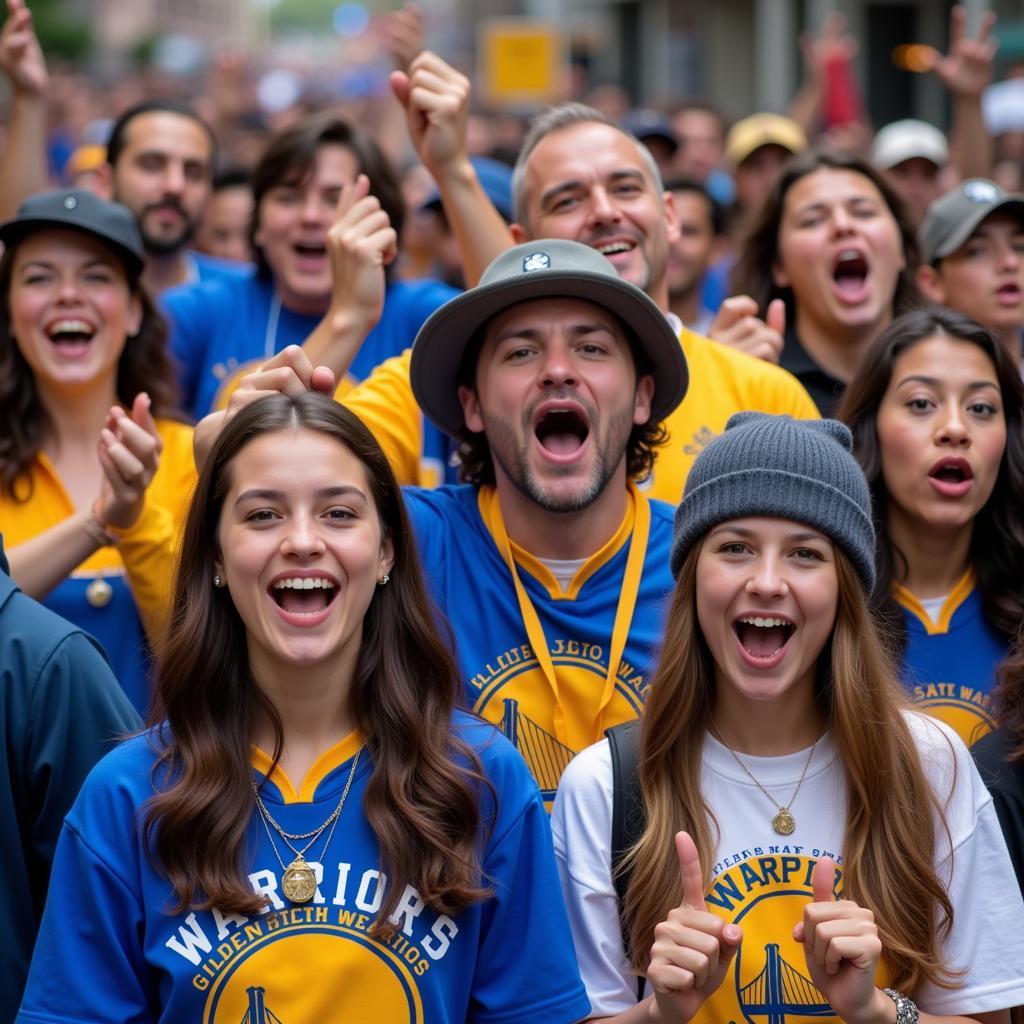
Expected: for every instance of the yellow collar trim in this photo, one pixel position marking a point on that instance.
(490, 512)
(957, 596)
(326, 763)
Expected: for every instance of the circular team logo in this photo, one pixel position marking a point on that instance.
(321, 973)
(970, 721)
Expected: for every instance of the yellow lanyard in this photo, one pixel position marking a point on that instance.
(579, 737)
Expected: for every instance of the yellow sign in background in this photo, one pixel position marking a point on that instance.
(522, 61)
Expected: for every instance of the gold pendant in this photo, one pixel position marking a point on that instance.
(99, 593)
(299, 882)
(783, 822)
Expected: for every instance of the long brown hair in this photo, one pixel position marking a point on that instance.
(1009, 700)
(145, 365)
(758, 248)
(890, 835)
(997, 539)
(423, 797)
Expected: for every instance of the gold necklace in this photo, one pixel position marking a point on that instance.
(298, 881)
(783, 822)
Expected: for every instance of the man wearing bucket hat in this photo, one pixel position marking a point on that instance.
(972, 257)
(582, 178)
(551, 565)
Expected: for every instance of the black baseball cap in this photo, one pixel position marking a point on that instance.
(80, 210)
(546, 268)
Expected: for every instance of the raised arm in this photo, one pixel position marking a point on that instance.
(966, 71)
(23, 167)
(435, 98)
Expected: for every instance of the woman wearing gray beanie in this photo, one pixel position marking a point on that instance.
(798, 842)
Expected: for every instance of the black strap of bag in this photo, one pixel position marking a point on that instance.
(628, 814)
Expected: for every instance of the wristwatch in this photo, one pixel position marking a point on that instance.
(906, 1009)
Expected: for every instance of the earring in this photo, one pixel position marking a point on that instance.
(217, 581)
(383, 580)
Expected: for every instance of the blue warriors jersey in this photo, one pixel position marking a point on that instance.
(110, 950)
(950, 666)
(505, 680)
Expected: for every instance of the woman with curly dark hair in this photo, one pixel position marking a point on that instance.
(87, 415)
(937, 413)
(313, 829)
(835, 243)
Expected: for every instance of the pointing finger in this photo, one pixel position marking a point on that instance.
(690, 872)
(822, 880)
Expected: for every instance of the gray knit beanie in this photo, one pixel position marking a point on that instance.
(777, 466)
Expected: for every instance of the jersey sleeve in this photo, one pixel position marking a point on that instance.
(984, 914)
(784, 394)
(149, 547)
(88, 963)
(581, 825)
(525, 967)
(385, 403)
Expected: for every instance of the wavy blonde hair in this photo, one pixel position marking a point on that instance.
(890, 837)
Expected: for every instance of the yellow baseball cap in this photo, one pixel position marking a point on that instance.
(763, 129)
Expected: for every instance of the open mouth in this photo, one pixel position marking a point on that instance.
(71, 334)
(951, 477)
(310, 251)
(609, 249)
(304, 595)
(763, 637)
(1009, 294)
(562, 432)
(850, 274)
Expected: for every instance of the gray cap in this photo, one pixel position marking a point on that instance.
(79, 210)
(546, 268)
(764, 465)
(955, 216)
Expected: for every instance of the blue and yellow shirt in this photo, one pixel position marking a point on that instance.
(116, 592)
(553, 705)
(949, 666)
(109, 949)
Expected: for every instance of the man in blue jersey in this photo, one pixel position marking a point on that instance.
(551, 564)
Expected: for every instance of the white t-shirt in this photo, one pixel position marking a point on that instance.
(761, 880)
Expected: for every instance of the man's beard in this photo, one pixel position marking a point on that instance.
(165, 245)
(610, 453)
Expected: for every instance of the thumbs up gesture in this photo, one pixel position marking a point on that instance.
(738, 325)
(692, 948)
(842, 949)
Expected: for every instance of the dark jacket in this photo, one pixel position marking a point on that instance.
(61, 709)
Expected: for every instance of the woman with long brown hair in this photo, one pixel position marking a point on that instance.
(312, 829)
(809, 846)
(937, 415)
(95, 463)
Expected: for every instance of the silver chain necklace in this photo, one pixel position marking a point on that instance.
(783, 822)
(298, 881)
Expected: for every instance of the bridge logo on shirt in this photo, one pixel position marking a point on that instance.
(315, 962)
(512, 692)
(965, 709)
(764, 890)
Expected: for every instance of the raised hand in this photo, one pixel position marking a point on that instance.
(402, 34)
(831, 44)
(435, 98)
(967, 69)
(289, 373)
(738, 325)
(21, 56)
(842, 950)
(692, 948)
(129, 452)
(360, 243)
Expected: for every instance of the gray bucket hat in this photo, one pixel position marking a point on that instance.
(546, 268)
(955, 216)
(79, 210)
